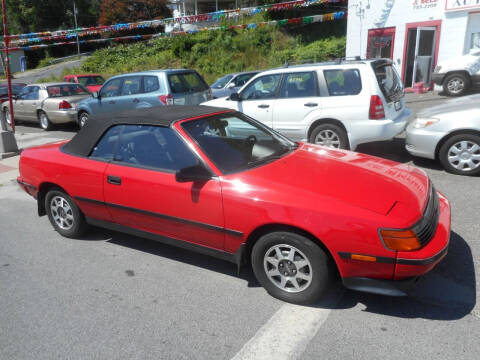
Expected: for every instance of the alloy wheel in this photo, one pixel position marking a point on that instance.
(328, 138)
(288, 268)
(44, 122)
(83, 119)
(464, 155)
(61, 212)
(456, 85)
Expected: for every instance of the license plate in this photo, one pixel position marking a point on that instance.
(398, 105)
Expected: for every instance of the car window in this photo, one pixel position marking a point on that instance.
(298, 85)
(72, 80)
(220, 83)
(186, 82)
(111, 88)
(264, 87)
(342, 82)
(235, 142)
(154, 147)
(131, 85)
(30, 93)
(66, 90)
(150, 83)
(389, 82)
(105, 148)
(241, 80)
(91, 80)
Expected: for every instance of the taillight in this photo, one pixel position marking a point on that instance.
(64, 105)
(400, 240)
(377, 111)
(166, 99)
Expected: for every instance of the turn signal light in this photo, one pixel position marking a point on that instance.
(64, 105)
(400, 240)
(363, 258)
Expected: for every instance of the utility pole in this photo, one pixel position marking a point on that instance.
(76, 27)
(8, 144)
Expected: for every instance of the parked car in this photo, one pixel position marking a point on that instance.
(216, 181)
(47, 104)
(16, 88)
(459, 74)
(450, 133)
(230, 83)
(145, 89)
(339, 104)
(92, 82)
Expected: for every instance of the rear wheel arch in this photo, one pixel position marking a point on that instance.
(256, 234)
(450, 135)
(43, 189)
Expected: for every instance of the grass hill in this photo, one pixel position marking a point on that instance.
(215, 53)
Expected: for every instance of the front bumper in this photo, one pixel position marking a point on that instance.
(410, 266)
(438, 78)
(62, 116)
(422, 142)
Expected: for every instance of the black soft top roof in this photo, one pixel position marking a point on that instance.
(82, 143)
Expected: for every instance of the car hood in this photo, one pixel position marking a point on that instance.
(319, 175)
(453, 105)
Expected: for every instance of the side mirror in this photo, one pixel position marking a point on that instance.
(193, 173)
(235, 97)
(96, 95)
(231, 85)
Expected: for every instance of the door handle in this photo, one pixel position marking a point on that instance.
(136, 101)
(263, 106)
(114, 180)
(111, 102)
(311, 104)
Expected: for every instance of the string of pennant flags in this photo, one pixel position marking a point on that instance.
(292, 21)
(67, 36)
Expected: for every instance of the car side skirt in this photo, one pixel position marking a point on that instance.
(236, 258)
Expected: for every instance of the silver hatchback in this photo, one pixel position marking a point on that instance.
(145, 89)
(450, 133)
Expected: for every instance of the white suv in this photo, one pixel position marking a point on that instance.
(339, 104)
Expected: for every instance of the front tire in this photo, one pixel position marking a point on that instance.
(45, 122)
(456, 84)
(329, 135)
(64, 214)
(8, 118)
(82, 119)
(291, 267)
(461, 154)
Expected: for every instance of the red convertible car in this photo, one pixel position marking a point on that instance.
(218, 182)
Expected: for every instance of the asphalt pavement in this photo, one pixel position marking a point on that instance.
(32, 76)
(113, 296)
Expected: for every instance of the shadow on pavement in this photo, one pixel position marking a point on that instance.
(448, 292)
(172, 253)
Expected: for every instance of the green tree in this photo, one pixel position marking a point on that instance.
(119, 11)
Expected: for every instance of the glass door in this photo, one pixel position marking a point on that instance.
(420, 55)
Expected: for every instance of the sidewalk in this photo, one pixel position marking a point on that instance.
(9, 170)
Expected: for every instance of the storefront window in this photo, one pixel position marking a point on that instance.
(475, 44)
(380, 43)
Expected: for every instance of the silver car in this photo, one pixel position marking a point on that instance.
(145, 89)
(228, 84)
(47, 104)
(450, 133)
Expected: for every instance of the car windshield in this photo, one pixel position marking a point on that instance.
(389, 82)
(66, 90)
(220, 83)
(91, 80)
(235, 142)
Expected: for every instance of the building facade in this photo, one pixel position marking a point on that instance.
(415, 34)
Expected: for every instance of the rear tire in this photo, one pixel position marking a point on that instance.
(45, 122)
(64, 215)
(461, 154)
(456, 84)
(291, 267)
(8, 120)
(329, 135)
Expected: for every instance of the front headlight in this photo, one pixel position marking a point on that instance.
(420, 123)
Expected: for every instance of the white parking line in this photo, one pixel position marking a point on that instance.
(287, 333)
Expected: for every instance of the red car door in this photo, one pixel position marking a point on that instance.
(141, 191)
